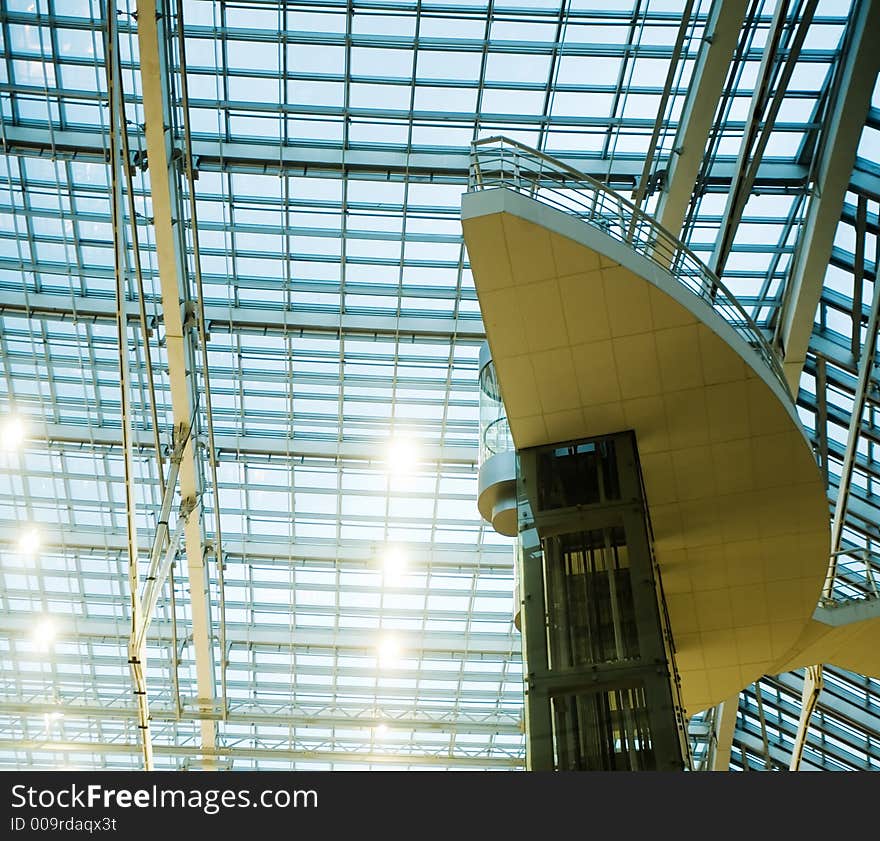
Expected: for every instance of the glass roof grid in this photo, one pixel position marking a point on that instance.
(247, 372)
(833, 744)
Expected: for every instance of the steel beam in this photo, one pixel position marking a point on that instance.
(778, 755)
(843, 725)
(723, 730)
(723, 28)
(866, 371)
(263, 158)
(253, 714)
(170, 256)
(490, 559)
(822, 414)
(258, 445)
(259, 319)
(842, 132)
(137, 652)
(470, 646)
(862, 517)
(668, 85)
(809, 698)
(777, 65)
(861, 228)
(274, 753)
(160, 564)
(813, 674)
(862, 718)
(275, 683)
(866, 177)
(155, 582)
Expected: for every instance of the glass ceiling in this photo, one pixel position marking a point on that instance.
(330, 142)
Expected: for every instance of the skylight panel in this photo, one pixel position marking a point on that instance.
(639, 106)
(373, 249)
(442, 136)
(327, 22)
(252, 89)
(809, 76)
(784, 144)
(647, 72)
(381, 131)
(379, 97)
(513, 102)
(588, 70)
(826, 36)
(251, 55)
(601, 6)
(243, 126)
(443, 64)
(833, 8)
(460, 100)
(313, 58)
(522, 31)
(869, 145)
(33, 73)
(373, 61)
(462, 27)
(28, 39)
(631, 142)
(315, 130)
(78, 43)
(249, 16)
(202, 53)
(517, 67)
(376, 222)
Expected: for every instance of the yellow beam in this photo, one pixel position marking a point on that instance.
(178, 341)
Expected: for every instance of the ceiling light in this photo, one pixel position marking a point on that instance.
(12, 433)
(29, 543)
(389, 652)
(402, 455)
(44, 634)
(393, 564)
(381, 731)
(49, 719)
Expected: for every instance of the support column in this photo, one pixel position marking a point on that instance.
(153, 18)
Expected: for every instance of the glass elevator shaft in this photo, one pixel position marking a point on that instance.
(602, 690)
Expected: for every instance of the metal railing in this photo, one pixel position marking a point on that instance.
(854, 577)
(501, 162)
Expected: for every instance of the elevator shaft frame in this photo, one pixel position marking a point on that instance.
(602, 688)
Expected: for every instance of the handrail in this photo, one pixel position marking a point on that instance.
(854, 580)
(501, 162)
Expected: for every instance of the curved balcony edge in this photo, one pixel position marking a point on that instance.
(501, 162)
(496, 200)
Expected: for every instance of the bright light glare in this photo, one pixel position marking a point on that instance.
(12, 433)
(389, 652)
(29, 543)
(393, 564)
(402, 455)
(49, 719)
(44, 634)
(381, 731)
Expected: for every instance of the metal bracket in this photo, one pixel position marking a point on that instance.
(179, 436)
(190, 318)
(188, 505)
